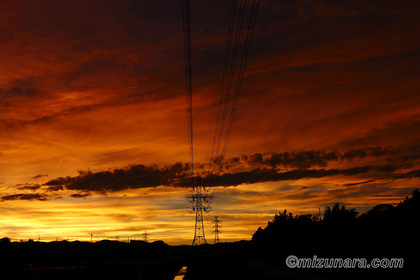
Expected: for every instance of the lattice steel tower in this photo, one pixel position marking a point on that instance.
(146, 237)
(216, 229)
(200, 200)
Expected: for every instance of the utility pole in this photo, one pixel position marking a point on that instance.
(146, 237)
(200, 200)
(216, 229)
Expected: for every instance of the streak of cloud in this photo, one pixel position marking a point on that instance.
(250, 169)
(24, 196)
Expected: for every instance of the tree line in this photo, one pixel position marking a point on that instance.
(382, 231)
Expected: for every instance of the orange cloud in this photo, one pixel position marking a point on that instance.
(93, 90)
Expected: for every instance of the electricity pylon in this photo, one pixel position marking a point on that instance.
(216, 229)
(146, 237)
(200, 200)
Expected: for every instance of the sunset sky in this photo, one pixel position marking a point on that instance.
(93, 120)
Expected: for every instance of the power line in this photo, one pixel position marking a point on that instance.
(231, 83)
(188, 77)
(241, 73)
(222, 101)
(230, 73)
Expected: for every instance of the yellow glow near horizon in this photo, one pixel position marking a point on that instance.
(162, 213)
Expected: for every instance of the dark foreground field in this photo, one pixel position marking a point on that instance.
(138, 260)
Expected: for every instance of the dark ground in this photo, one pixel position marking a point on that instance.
(138, 260)
(383, 232)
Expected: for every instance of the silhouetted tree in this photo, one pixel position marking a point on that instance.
(382, 213)
(5, 240)
(284, 227)
(339, 215)
(411, 205)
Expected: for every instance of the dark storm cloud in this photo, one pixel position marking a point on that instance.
(407, 175)
(359, 153)
(32, 187)
(307, 159)
(24, 196)
(54, 188)
(16, 92)
(80, 195)
(300, 159)
(132, 177)
(23, 87)
(248, 169)
(39, 176)
(266, 175)
(141, 176)
(358, 183)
